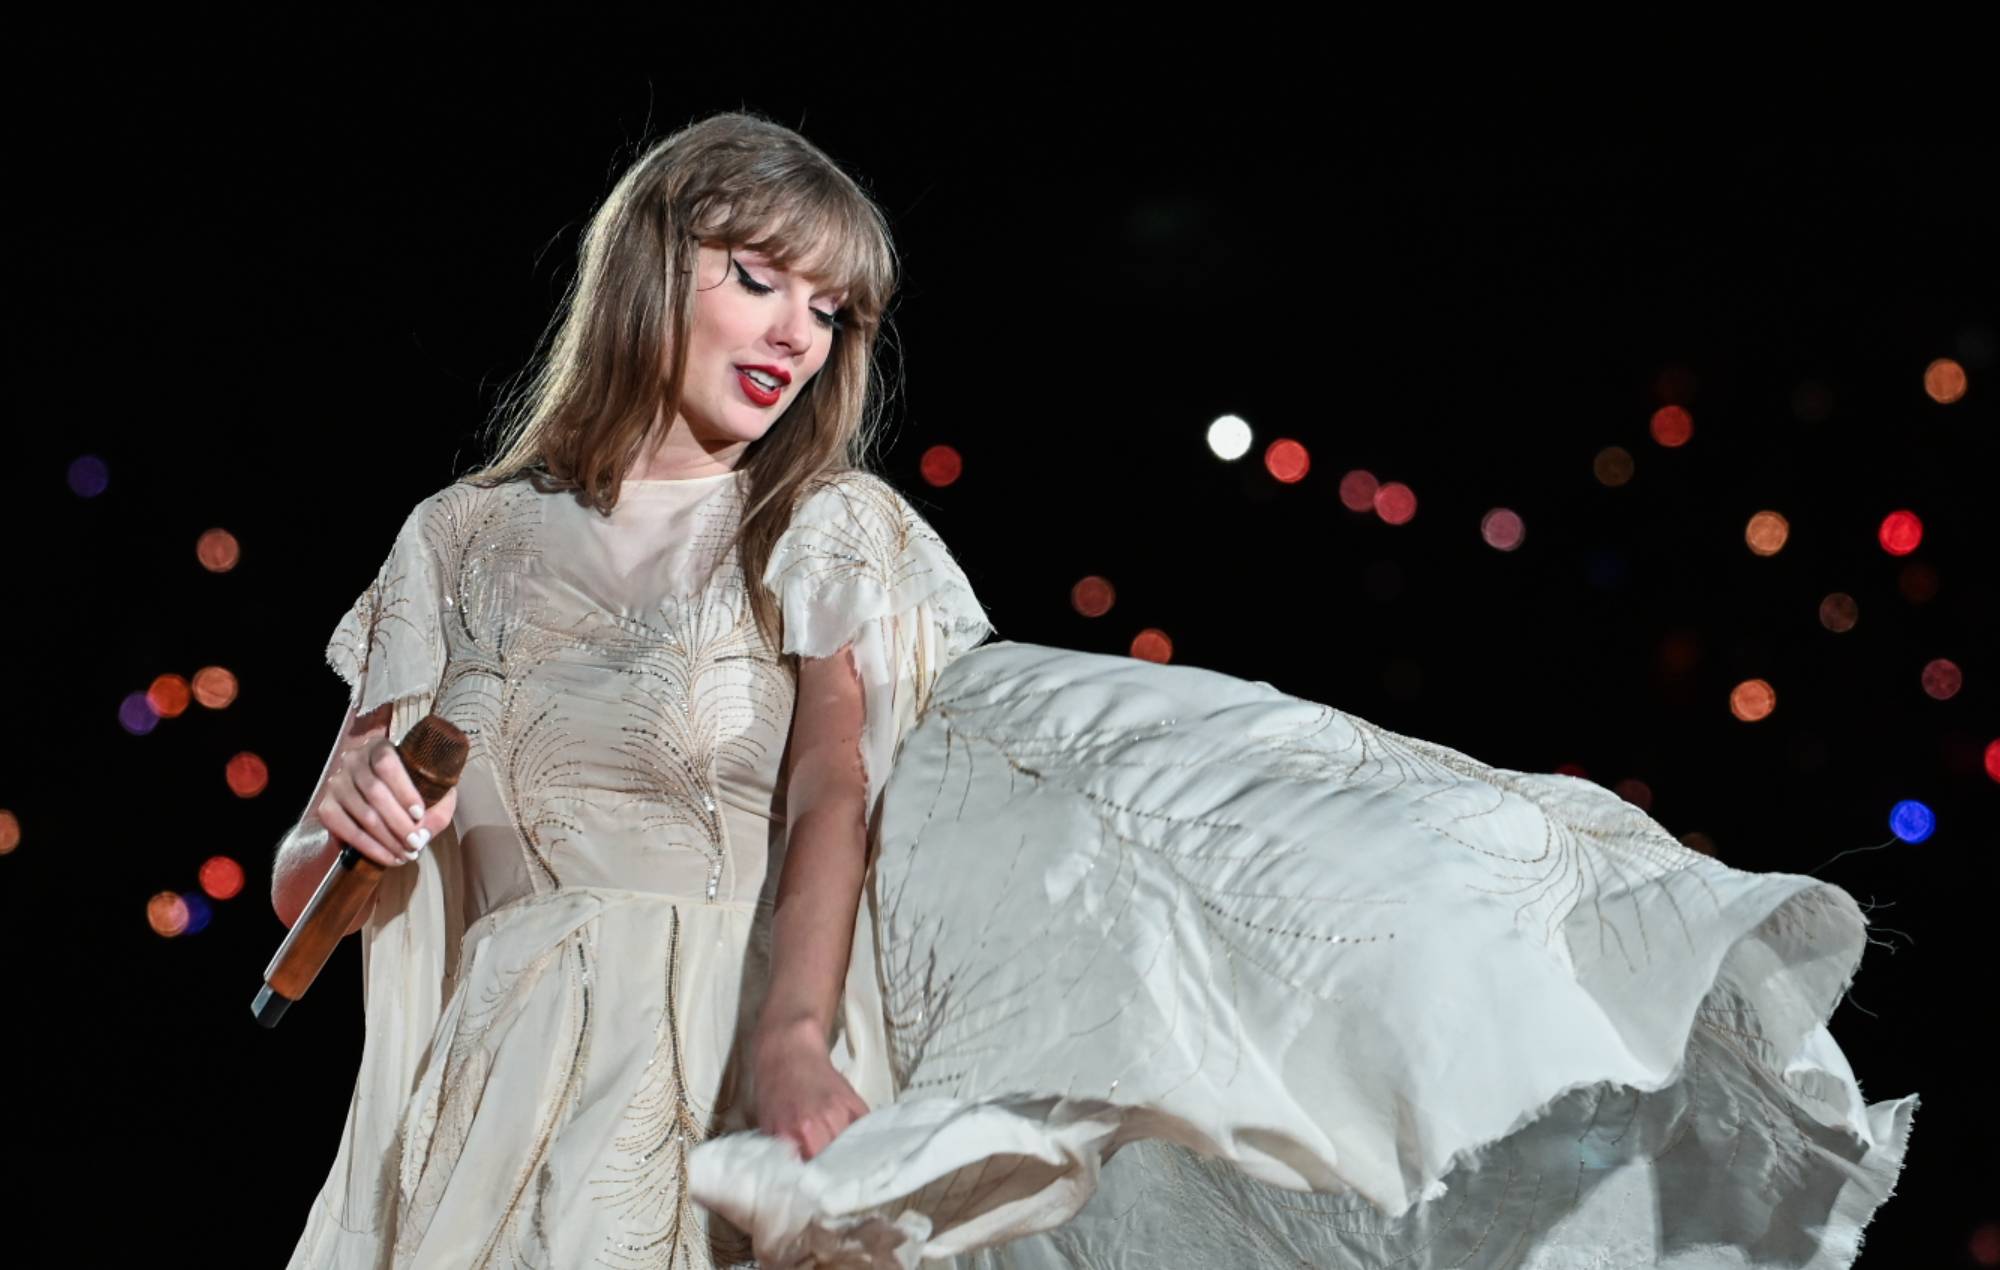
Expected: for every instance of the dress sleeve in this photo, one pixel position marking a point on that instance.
(859, 565)
(389, 646)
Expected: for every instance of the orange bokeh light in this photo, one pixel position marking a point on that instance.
(1672, 426)
(10, 832)
(1152, 644)
(1093, 596)
(1900, 533)
(247, 775)
(1613, 465)
(1286, 460)
(1357, 491)
(1838, 612)
(1753, 699)
(168, 696)
(221, 877)
(1766, 533)
(1396, 503)
(167, 914)
(217, 551)
(1942, 678)
(214, 687)
(1944, 380)
(941, 465)
(1696, 840)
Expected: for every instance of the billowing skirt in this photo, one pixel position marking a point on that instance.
(1178, 970)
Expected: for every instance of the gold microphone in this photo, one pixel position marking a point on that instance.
(434, 753)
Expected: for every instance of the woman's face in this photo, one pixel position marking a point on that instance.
(750, 315)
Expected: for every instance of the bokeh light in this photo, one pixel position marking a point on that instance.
(167, 914)
(941, 465)
(1357, 491)
(1993, 758)
(1672, 426)
(1942, 678)
(1753, 699)
(1911, 821)
(221, 877)
(1680, 651)
(1502, 529)
(214, 687)
(1838, 612)
(1152, 645)
(1918, 582)
(168, 696)
(1944, 380)
(247, 775)
(1229, 438)
(1900, 533)
(1635, 791)
(135, 713)
(1396, 503)
(10, 827)
(1766, 533)
(88, 476)
(1613, 465)
(1696, 840)
(1573, 769)
(217, 550)
(1286, 460)
(1093, 596)
(1984, 1246)
(199, 910)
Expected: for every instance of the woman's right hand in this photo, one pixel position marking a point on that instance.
(372, 805)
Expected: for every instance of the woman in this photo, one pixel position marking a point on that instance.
(1118, 964)
(671, 770)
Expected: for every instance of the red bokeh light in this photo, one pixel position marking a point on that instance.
(1672, 426)
(941, 465)
(1943, 678)
(1395, 503)
(217, 551)
(1152, 645)
(1636, 792)
(167, 914)
(1357, 491)
(1572, 769)
(221, 877)
(1753, 699)
(168, 696)
(1993, 758)
(1093, 596)
(247, 775)
(1944, 381)
(1503, 529)
(1286, 460)
(1900, 533)
(10, 827)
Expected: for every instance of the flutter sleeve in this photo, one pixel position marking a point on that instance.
(858, 565)
(389, 646)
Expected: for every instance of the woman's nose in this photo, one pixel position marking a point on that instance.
(793, 331)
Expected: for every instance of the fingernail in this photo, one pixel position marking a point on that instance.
(417, 839)
(416, 811)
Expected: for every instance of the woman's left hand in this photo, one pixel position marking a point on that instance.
(799, 1094)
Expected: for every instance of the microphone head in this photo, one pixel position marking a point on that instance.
(435, 752)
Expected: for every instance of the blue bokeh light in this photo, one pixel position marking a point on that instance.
(88, 476)
(1911, 821)
(199, 910)
(136, 713)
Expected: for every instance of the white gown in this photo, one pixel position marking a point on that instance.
(1153, 966)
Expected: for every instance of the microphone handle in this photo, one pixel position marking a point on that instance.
(341, 896)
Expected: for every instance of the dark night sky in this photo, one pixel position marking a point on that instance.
(275, 278)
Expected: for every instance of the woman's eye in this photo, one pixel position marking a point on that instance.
(831, 321)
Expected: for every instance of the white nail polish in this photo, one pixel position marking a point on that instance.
(416, 811)
(417, 839)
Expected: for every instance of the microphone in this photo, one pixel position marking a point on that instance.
(434, 753)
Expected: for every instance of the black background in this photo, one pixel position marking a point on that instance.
(274, 274)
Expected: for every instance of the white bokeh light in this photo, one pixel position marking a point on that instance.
(1229, 437)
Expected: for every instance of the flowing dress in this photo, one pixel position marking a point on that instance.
(1152, 966)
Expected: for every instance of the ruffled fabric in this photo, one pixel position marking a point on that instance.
(390, 644)
(1178, 969)
(859, 565)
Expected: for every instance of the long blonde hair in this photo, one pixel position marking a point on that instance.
(619, 355)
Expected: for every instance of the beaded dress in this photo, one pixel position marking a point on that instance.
(1152, 966)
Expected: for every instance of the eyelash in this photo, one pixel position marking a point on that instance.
(830, 321)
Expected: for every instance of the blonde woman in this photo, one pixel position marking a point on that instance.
(774, 921)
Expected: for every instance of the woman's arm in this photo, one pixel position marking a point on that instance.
(308, 850)
(819, 888)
